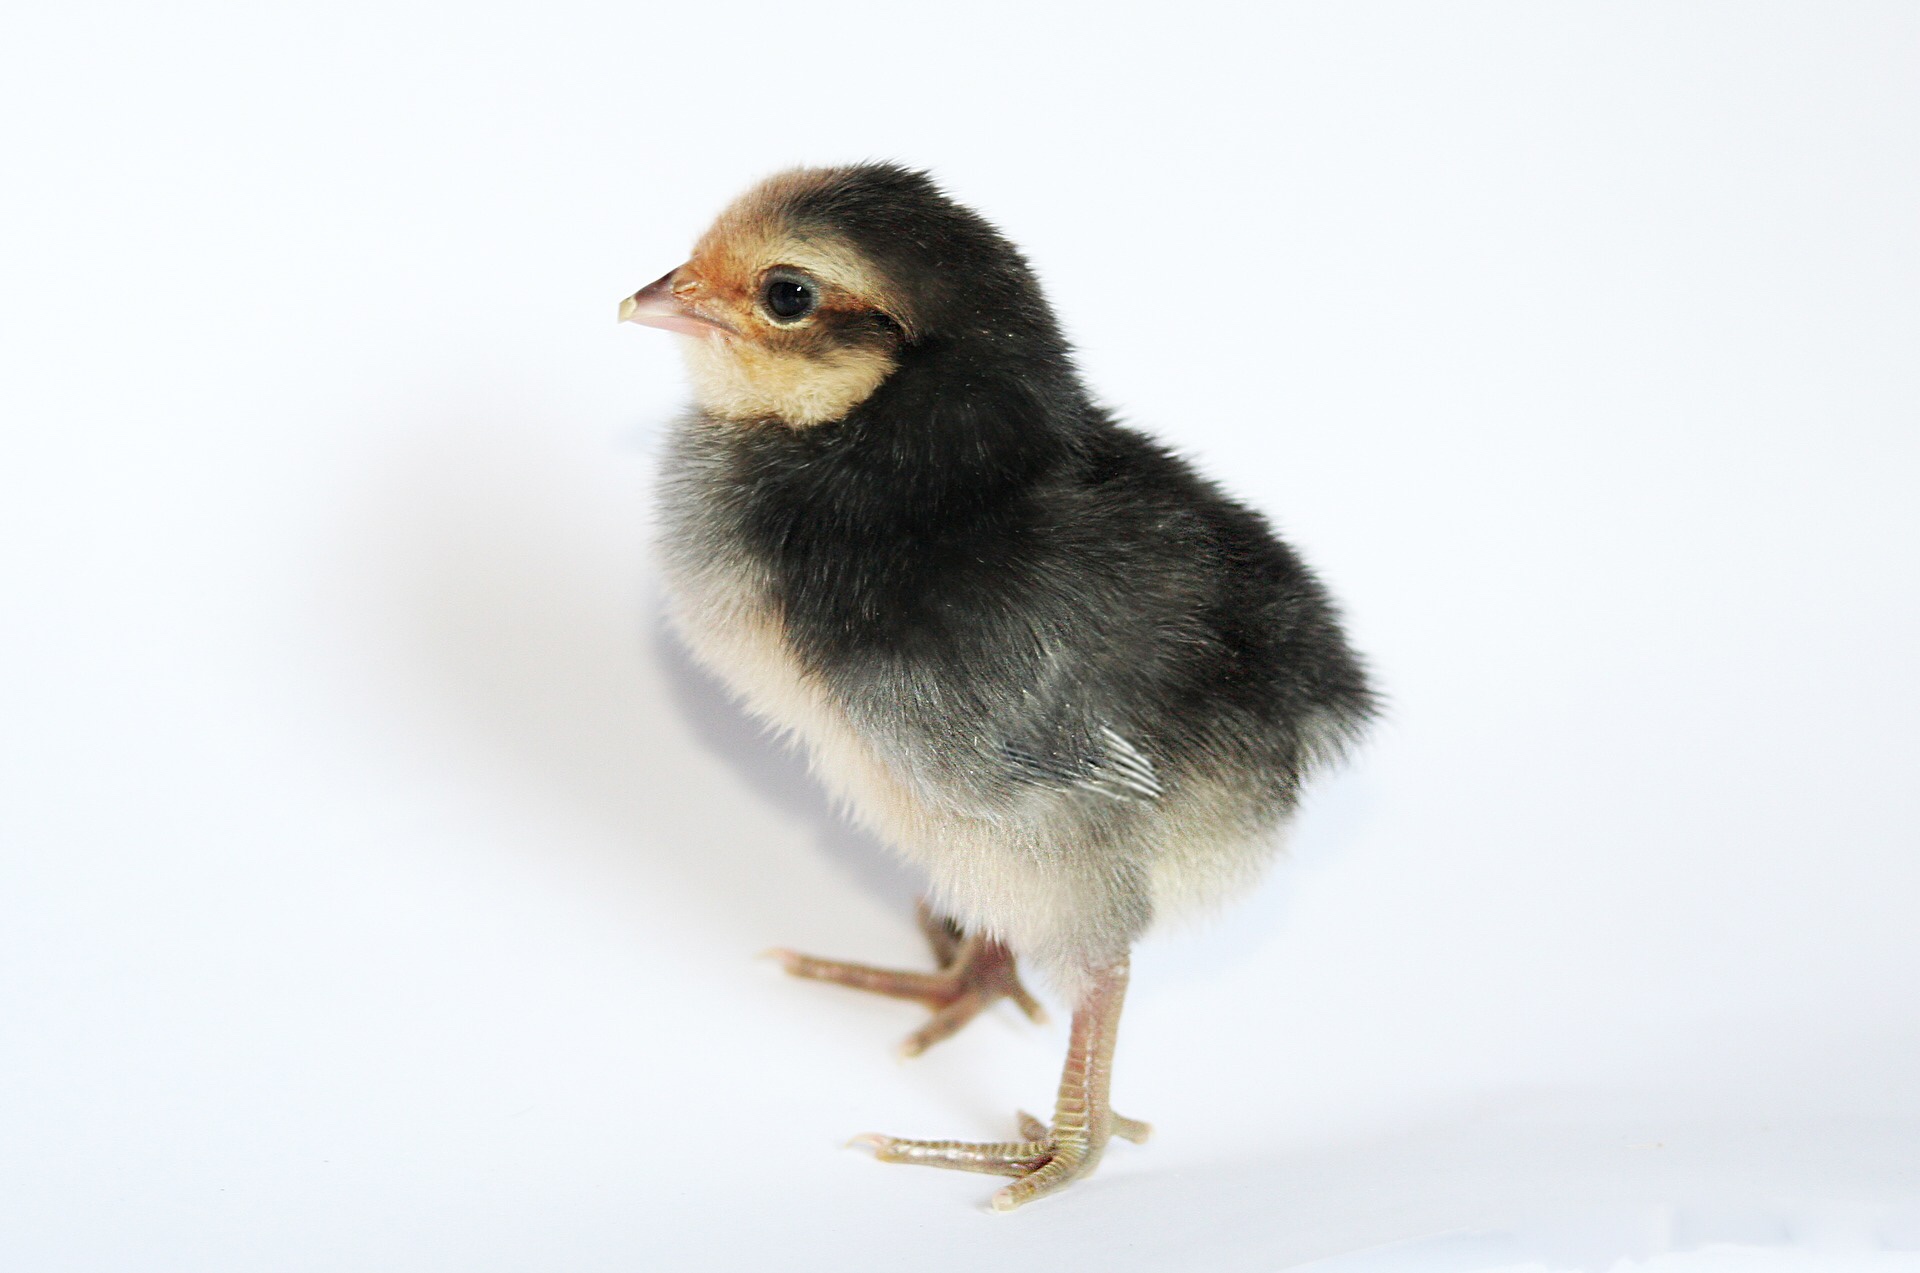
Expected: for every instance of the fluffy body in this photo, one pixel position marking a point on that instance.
(1029, 648)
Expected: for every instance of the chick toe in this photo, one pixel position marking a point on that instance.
(975, 973)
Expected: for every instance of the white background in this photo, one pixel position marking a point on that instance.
(380, 889)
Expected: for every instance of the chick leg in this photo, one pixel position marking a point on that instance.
(1083, 1120)
(974, 971)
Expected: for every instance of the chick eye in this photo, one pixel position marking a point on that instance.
(789, 298)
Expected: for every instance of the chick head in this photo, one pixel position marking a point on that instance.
(810, 290)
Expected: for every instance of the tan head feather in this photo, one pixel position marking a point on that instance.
(801, 373)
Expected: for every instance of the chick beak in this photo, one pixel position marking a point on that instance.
(667, 303)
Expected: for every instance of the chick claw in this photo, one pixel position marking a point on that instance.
(1047, 1159)
(974, 972)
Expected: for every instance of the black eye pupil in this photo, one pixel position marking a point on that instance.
(788, 299)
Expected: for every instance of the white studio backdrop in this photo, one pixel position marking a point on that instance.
(379, 889)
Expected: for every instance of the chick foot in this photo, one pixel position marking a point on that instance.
(1050, 1155)
(974, 972)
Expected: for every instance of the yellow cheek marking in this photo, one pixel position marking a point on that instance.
(740, 380)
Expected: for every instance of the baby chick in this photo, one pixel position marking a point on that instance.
(1037, 654)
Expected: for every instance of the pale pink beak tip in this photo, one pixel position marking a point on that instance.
(656, 305)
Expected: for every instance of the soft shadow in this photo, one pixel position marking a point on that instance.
(777, 771)
(1562, 1181)
(517, 625)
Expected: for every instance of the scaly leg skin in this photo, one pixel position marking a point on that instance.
(974, 971)
(1083, 1121)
